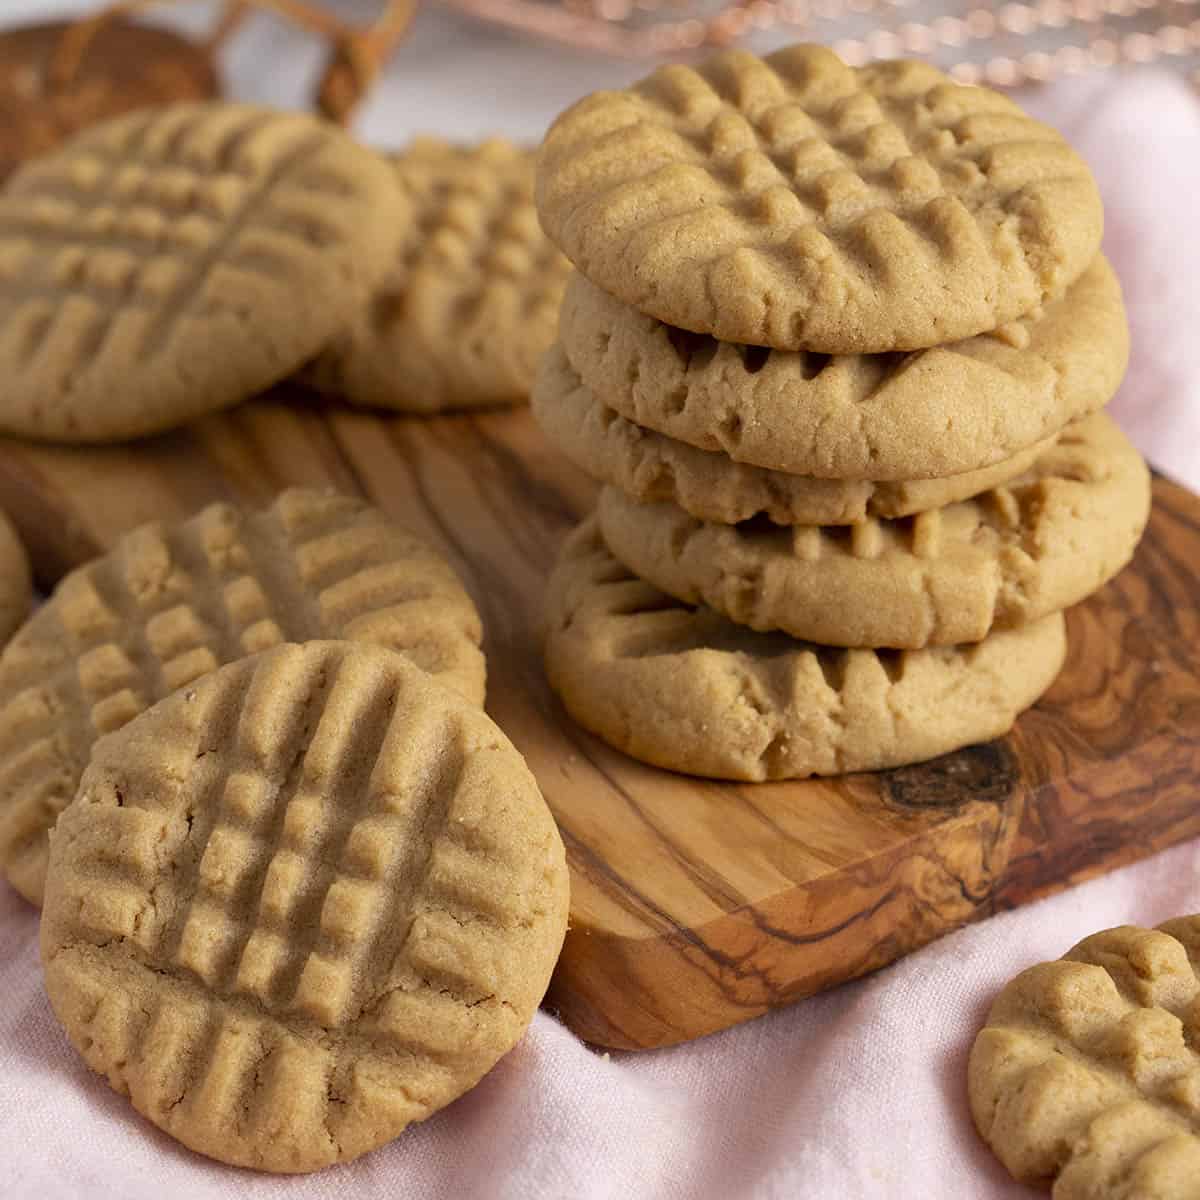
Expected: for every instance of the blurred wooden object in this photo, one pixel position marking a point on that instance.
(357, 54)
(123, 67)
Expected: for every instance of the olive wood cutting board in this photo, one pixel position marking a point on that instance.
(697, 905)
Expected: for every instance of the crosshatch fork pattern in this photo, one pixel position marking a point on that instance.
(475, 213)
(343, 891)
(773, 201)
(169, 604)
(473, 299)
(1087, 1071)
(133, 244)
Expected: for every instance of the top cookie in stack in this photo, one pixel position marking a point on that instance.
(797, 203)
(807, 297)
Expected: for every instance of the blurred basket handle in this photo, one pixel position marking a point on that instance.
(356, 59)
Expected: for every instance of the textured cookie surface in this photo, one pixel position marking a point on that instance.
(1087, 1072)
(936, 412)
(179, 260)
(170, 603)
(40, 112)
(1034, 546)
(302, 904)
(709, 485)
(16, 583)
(795, 202)
(472, 300)
(684, 688)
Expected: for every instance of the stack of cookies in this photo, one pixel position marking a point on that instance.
(836, 347)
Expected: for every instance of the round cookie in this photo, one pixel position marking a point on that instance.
(799, 203)
(936, 412)
(40, 113)
(1086, 1073)
(16, 581)
(709, 485)
(685, 689)
(170, 603)
(1039, 544)
(177, 260)
(471, 302)
(301, 904)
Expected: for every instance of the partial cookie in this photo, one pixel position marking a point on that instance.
(16, 582)
(169, 603)
(40, 111)
(685, 689)
(1087, 1072)
(1034, 546)
(796, 202)
(301, 904)
(178, 260)
(709, 485)
(937, 412)
(471, 302)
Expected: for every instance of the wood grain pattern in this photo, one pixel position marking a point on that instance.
(697, 905)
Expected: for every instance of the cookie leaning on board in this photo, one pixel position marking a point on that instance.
(296, 896)
(169, 603)
(837, 344)
(301, 903)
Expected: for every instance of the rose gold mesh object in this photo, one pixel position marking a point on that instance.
(357, 52)
(998, 42)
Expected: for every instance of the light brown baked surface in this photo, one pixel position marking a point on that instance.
(795, 202)
(179, 260)
(709, 485)
(955, 408)
(16, 582)
(471, 301)
(1036, 545)
(685, 689)
(169, 603)
(302, 903)
(1087, 1073)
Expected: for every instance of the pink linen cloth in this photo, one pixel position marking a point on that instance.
(856, 1093)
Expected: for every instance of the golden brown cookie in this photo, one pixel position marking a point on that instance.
(685, 689)
(472, 300)
(650, 467)
(301, 904)
(169, 603)
(40, 111)
(799, 203)
(937, 412)
(178, 260)
(16, 583)
(1087, 1073)
(1036, 545)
